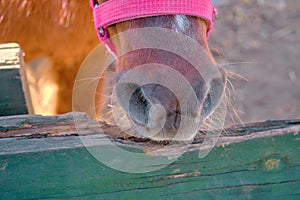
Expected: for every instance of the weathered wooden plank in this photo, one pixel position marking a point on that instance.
(257, 161)
(239, 170)
(14, 98)
(64, 125)
(36, 126)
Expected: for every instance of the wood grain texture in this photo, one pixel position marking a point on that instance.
(255, 161)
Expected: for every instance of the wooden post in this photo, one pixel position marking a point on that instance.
(43, 157)
(14, 91)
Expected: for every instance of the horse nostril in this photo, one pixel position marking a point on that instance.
(207, 106)
(149, 105)
(141, 95)
(213, 97)
(131, 98)
(139, 107)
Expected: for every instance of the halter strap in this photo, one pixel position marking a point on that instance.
(115, 11)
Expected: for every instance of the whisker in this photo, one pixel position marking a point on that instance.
(233, 75)
(236, 63)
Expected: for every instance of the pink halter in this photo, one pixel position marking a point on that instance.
(115, 11)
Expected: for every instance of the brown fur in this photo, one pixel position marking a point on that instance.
(61, 30)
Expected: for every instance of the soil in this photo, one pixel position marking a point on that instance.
(260, 40)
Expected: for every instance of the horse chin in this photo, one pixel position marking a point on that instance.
(157, 131)
(154, 132)
(158, 128)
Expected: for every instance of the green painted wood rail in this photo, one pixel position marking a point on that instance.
(43, 158)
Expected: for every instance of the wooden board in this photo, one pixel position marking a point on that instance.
(43, 158)
(14, 92)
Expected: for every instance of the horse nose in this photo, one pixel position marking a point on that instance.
(168, 111)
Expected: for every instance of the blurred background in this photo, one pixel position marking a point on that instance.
(260, 40)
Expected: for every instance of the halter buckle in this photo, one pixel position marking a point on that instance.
(215, 14)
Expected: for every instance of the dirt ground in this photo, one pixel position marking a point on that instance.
(260, 40)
